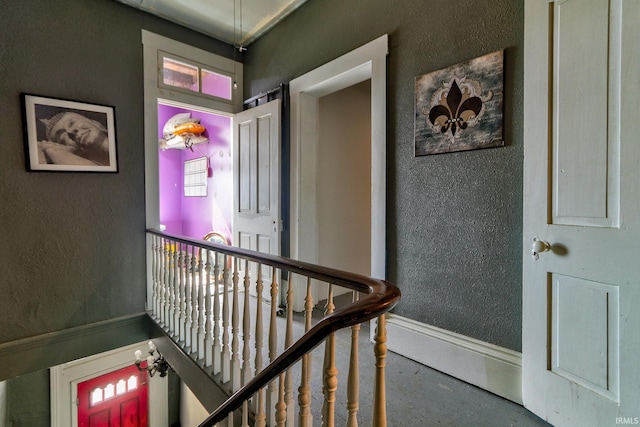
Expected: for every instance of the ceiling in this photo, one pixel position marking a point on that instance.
(215, 18)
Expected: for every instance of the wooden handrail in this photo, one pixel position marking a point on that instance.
(381, 296)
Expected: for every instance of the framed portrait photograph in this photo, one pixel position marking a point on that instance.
(69, 136)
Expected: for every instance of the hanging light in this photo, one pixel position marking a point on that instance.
(154, 363)
(236, 44)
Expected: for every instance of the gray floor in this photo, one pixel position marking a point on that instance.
(420, 396)
(416, 394)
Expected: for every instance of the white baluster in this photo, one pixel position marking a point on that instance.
(159, 277)
(202, 309)
(225, 362)
(288, 341)
(235, 339)
(330, 372)
(185, 333)
(304, 391)
(218, 279)
(165, 285)
(245, 414)
(353, 381)
(176, 290)
(281, 405)
(272, 390)
(155, 312)
(183, 289)
(195, 306)
(161, 282)
(260, 400)
(379, 391)
(208, 326)
(246, 328)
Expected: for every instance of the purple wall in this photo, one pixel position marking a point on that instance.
(196, 216)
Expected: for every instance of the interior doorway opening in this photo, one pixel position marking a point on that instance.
(313, 170)
(344, 179)
(195, 179)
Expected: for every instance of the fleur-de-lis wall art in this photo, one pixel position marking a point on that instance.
(460, 107)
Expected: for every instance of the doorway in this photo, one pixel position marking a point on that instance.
(66, 378)
(316, 193)
(344, 181)
(196, 214)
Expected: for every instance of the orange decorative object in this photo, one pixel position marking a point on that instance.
(194, 128)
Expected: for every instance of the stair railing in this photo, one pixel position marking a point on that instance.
(212, 300)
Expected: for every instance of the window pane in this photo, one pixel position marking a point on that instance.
(121, 387)
(96, 396)
(195, 177)
(216, 84)
(179, 74)
(132, 383)
(109, 391)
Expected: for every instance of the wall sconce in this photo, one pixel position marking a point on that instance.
(154, 363)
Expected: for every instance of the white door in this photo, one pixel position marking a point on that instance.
(581, 298)
(256, 193)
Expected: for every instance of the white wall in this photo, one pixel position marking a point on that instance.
(192, 413)
(344, 186)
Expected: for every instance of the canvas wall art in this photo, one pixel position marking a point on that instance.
(460, 108)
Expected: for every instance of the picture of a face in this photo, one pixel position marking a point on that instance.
(81, 135)
(69, 136)
(78, 131)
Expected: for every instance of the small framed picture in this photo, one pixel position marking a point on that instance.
(69, 136)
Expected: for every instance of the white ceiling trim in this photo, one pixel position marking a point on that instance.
(222, 19)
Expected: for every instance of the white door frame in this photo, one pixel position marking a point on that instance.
(154, 47)
(66, 377)
(364, 63)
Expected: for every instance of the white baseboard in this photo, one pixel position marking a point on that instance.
(490, 367)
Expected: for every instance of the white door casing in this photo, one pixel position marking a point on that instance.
(364, 63)
(66, 377)
(256, 193)
(581, 195)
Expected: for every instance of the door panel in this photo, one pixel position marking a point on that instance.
(585, 139)
(584, 327)
(256, 220)
(244, 167)
(100, 419)
(581, 196)
(129, 413)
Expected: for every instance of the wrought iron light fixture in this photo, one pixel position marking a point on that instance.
(154, 362)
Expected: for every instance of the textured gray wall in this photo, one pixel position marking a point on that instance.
(73, 244)
(73, 249)
(28, 400)
(454, 220)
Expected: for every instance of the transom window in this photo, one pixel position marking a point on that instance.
(122, 386)
(191, 76)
